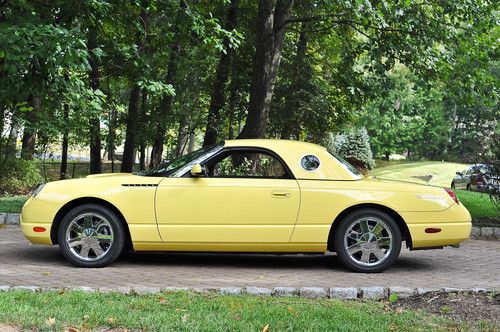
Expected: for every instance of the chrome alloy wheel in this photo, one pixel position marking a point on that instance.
(368, 241)
(89, 236)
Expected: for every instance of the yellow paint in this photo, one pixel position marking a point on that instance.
(261, 215)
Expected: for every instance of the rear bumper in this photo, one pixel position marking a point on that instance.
(454, 222)
(450, 234)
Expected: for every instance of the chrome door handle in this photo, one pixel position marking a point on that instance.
(281, 194)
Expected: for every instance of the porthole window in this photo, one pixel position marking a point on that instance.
(310, 163)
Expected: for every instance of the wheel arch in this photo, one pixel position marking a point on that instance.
(88, 200)
(405, 232)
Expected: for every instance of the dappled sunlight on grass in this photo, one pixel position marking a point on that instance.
(434, 173)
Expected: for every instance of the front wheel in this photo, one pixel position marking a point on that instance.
(91, 235)
(368, 241)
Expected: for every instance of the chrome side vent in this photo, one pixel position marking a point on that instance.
(139, 185)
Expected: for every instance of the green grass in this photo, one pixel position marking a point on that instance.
(185, 311)
(442, 172)
(12, 204)
(478, 204)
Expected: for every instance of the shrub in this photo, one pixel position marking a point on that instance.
(354, 146)
(18, 176)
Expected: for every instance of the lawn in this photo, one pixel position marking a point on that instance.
(440, 173)
(12, 204)
(478, 204)
(186, 311)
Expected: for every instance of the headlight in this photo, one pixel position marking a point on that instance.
(37, 190)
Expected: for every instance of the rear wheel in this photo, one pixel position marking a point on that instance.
(453, 185)
(91, 235)
(368, 241)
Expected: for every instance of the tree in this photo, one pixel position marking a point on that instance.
(272, 18)
(165, 107)
(214, 120)
(133, 111)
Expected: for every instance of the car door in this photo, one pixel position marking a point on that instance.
(248, 196)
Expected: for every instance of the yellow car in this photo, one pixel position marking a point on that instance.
(261, 196)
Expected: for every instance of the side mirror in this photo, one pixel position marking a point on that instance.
(197, 170)
(459, 173)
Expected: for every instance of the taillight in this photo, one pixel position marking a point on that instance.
(452, 195)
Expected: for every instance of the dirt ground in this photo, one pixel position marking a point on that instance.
(468, 307)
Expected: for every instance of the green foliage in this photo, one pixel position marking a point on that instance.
(421, 77)
(408, 119)
(479, 204)
(12, 204)
(354, 146)
(393, 298)
(18, 175)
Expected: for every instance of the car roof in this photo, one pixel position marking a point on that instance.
(269, 143)
(292, 153)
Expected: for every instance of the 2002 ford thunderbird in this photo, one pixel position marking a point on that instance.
(245, 196)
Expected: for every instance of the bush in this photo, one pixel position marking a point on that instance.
(354, 146)
(18, 176)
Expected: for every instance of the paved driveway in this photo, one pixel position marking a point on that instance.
(475, 264)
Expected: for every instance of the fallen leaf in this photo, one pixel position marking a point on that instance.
(185, 317)
(237, 317)
(47, 274)
(51, 321)
(85, 317)
(290, 310)
(265, 328)
(162, 300)
(399, 310)
(71, 329)
(111, 320)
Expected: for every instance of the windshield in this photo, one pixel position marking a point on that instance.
(346, 164)
(179, 166)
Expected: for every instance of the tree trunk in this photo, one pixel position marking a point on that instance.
(182, 137)
(133, 112)
(29, 134)
(142, 123)
(132, 117)
(142, 157)
(166, 103)
(192, 136)
(95, 121)
(64, 154)
(296, 97)
(111, 138)
(217, 99)
(271, 29)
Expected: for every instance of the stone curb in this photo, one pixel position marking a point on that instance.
(9, 218)
(476, 233)
(341, 293)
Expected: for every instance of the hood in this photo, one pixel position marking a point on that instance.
(107, 175)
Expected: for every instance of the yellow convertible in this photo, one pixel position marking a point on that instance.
(261, 196)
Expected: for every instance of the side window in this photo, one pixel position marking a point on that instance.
(469, 171)
(248, 164)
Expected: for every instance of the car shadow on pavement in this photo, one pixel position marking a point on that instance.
(51, 256)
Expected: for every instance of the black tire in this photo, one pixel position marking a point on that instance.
(468, 187)
(355, 217)
(113, 250)
(453, 185)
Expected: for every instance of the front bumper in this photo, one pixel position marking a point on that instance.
(36, 213)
